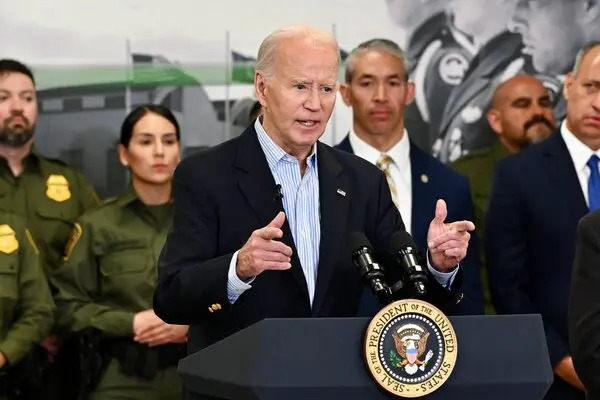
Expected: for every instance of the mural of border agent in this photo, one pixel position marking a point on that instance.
(552, 59)
(463, 123)
(437, 57)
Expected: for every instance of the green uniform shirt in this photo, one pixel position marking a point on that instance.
(478, 167)
(110, 270)
(26, 306)
(50, 195)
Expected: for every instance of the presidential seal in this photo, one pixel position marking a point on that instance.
(410, 348)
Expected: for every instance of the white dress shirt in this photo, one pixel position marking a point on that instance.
(401, 173)
(580, 154)
(400, 170)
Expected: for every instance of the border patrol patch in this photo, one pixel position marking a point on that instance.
(452, 68)
(57, 188)
(8, 239)
(73, 239)
(410, 348)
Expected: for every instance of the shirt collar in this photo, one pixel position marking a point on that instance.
(127, 197)
(580, 153)
(399, 153)
(31, 162)
(274, 153)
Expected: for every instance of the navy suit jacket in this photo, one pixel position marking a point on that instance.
(222, 195)
(535, 206)
(441, 183)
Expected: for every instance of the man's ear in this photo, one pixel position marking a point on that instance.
(493, 117)
(260, 88)
(345, 92)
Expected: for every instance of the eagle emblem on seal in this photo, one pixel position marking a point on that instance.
(410, 343)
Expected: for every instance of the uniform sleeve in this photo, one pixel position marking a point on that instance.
(34, 309)
(88, 196)
(79, 297)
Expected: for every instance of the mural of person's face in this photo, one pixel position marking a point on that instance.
(378, 94)
(552, 49)
(406, 13)
(521, 113)
(472, 16)
(582, 92)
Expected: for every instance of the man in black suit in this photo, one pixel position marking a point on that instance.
(584, 308)
(260, 222)
(538, 197)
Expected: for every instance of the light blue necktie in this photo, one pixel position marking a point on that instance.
(594, 183)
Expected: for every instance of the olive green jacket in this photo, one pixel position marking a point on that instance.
(26, 306)
(110, 270)
(50, 195)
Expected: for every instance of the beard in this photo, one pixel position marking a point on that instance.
(15, 138)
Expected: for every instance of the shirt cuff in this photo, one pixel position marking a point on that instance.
(444, 278)
(235, 286)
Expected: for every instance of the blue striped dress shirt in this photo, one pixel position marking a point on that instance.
(301, 206)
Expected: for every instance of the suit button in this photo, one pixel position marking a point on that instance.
(459, 297)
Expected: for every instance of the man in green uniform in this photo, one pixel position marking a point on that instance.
(25, 301)
(48, 194)
(521, 114)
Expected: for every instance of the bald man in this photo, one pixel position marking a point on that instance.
(520, 115)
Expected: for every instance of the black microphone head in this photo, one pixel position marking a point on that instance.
(357, 240)
(401, 240)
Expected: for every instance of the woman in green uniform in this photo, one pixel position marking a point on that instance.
(108, 278)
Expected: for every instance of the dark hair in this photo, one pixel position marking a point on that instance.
(8, 66)
(134, 117)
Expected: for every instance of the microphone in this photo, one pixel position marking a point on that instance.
(405, 252)
(278, 195)
(371, 273)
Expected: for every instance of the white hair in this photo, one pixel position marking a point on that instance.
(268, 47)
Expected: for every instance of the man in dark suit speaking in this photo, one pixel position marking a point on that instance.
(260, 222)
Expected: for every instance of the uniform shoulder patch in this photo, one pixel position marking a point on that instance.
(73, 239)
(108, 201)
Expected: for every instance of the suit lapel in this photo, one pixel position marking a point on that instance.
(333, 210)
(345, 145)
(563, 177)
(257, 185)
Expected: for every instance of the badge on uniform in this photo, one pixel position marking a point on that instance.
(8, 239)
(57, 188)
